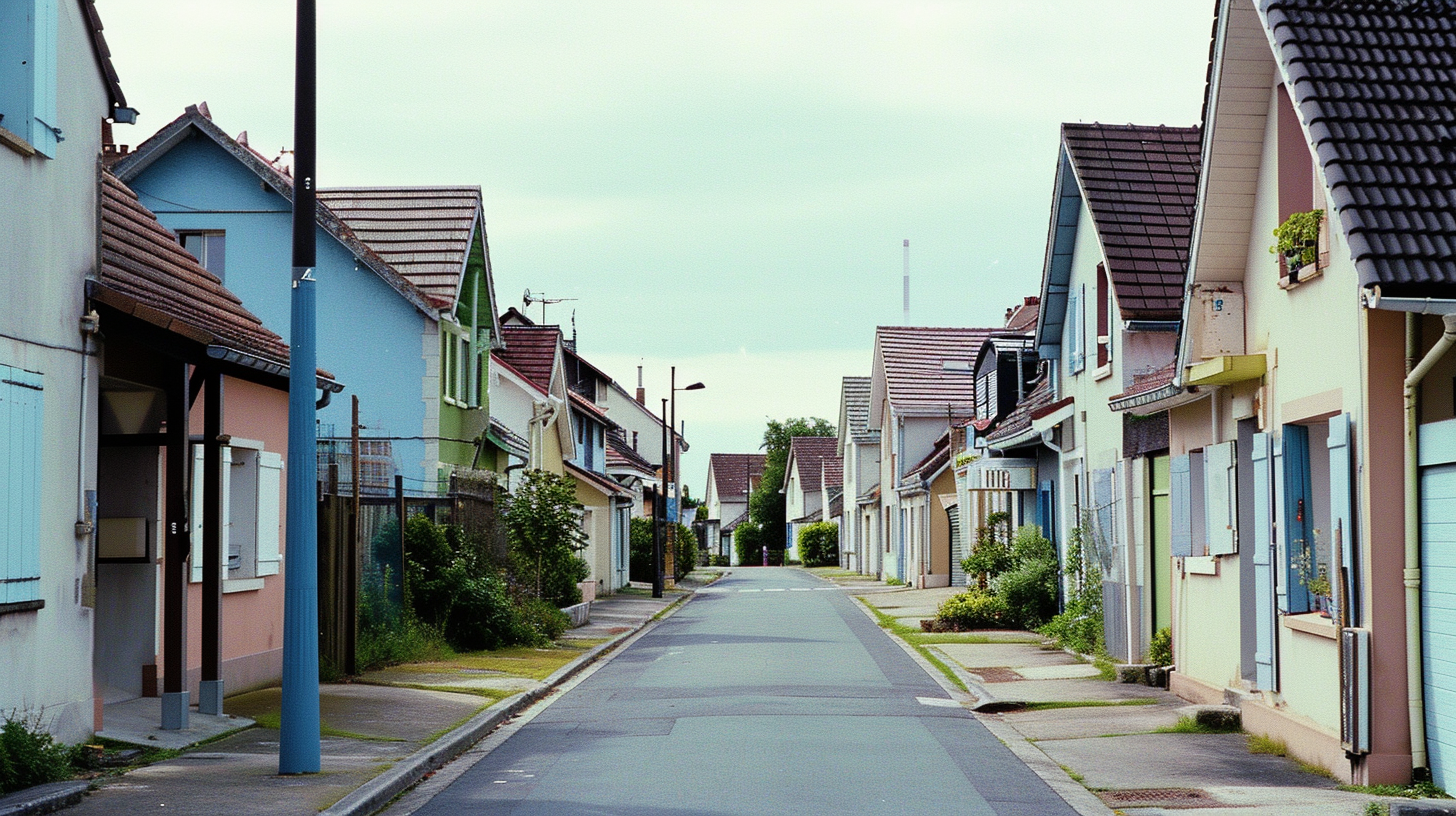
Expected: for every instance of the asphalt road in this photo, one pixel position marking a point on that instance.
(768, 693)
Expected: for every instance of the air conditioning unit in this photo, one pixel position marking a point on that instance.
(1355, 690)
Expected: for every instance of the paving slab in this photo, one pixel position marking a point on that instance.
(1010, 655)
(1092, 721)
(139, 722)
(1267, 801)
(460, 678)
(1176, 761)
(377, 712)
(1064, 671)
(1088, 688)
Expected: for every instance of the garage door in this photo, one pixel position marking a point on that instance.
(1438, 594)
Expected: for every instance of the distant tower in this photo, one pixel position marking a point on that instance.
(907, 282)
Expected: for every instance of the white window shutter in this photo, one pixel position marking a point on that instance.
(1180, 499)
(1262, 540)
(194, 515)
(1342, 516)
(270, 483)
(1220, 492)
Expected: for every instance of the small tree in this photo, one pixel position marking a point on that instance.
(991, 554)
(748, 543)
(543, 525)
(819, 544)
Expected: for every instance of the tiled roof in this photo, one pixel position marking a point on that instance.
(603, 484)
(425, 233)
(734, 472)
(509, 439)
(833, 469)
(531, 351)
(856, 396)
(147, 274)
(1019, 419)
(103, 54)
(620, 455)
(836, 505)
(1023, 317)
(928, 369)
(813, 454)
(1375, 84)
(1149, 381)
(591, 409)
(1140, 184)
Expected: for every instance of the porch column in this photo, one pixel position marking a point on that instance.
(209, 694)
(174, 574)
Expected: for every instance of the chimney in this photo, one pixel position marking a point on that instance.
(641, 392)
(907, 282)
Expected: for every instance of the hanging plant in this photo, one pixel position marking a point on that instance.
(1297, 239)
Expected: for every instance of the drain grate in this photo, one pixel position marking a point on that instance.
(997, 674)
(1160, 797)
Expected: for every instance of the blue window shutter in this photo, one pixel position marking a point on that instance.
(1045, 504)
(1342, 517)
(1298, 515)
(1262, 541)
(43, 123)
(20, 434)
(1180, 499)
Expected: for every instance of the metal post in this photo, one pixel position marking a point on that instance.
(659, 515)
(210, 690)
(174, 570)
(354, 575)
(298, 742)
(669, 476)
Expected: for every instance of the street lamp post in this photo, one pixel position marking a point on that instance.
(659, 516)
(671, 458)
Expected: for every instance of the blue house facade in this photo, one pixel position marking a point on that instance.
(390, 337)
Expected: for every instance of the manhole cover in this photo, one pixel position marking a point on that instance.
(1160, 797)
(997, 674)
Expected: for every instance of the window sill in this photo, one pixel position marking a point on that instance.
(22, 606)
(16, 143)
(1311, 623)
(1305, 273)
(232, 585)
(1102, 372)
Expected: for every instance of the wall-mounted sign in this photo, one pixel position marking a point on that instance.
(1001, 474)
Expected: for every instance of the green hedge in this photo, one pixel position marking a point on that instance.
(819, 544)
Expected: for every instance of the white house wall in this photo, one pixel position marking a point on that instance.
(47, 250)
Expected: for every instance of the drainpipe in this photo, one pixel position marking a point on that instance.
(1413, 658)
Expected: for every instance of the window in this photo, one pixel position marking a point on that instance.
(1317, 520)
(207, 246)
(1104, 315)
(457, 385)
(1203, 500)
(252, 479)
(1076, 353)
(20, 476)
(28, 73)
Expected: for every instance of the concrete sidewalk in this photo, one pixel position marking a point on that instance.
(1117, 739)
(377, 739)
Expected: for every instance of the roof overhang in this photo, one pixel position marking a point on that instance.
(1437, 306)
(1060, 413)
(1057, 272)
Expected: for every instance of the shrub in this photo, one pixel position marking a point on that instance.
(748, 543)
(545, 622)
(1160, 651)
(716, 560)
(819, 544)
(686, 557)
(640, 550)
(29, 756)
(1079, 626)
(1029, 586)
(991, 554)
(972, 609)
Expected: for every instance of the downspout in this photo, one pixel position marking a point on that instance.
(1413, 658)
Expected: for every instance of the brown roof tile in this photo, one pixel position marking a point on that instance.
(1140, 184)
(531, 351)
(734, 473)
(816, 455)
(915, 360)
(424, 233)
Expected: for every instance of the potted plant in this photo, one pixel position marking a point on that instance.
(1297, 240)
(1315, 579)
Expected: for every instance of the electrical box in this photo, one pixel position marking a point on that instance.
(1218, 320)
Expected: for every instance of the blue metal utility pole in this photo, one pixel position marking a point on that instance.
(298, 744)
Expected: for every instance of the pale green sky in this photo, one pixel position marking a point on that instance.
(722, 185)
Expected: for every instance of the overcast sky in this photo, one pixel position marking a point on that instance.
(722, 186)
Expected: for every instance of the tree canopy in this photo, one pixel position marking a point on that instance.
(766, 504)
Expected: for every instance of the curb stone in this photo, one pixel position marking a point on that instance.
(46, 798)
(382, 789)
(1084, 801)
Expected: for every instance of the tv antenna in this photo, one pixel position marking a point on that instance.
(540, 297)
